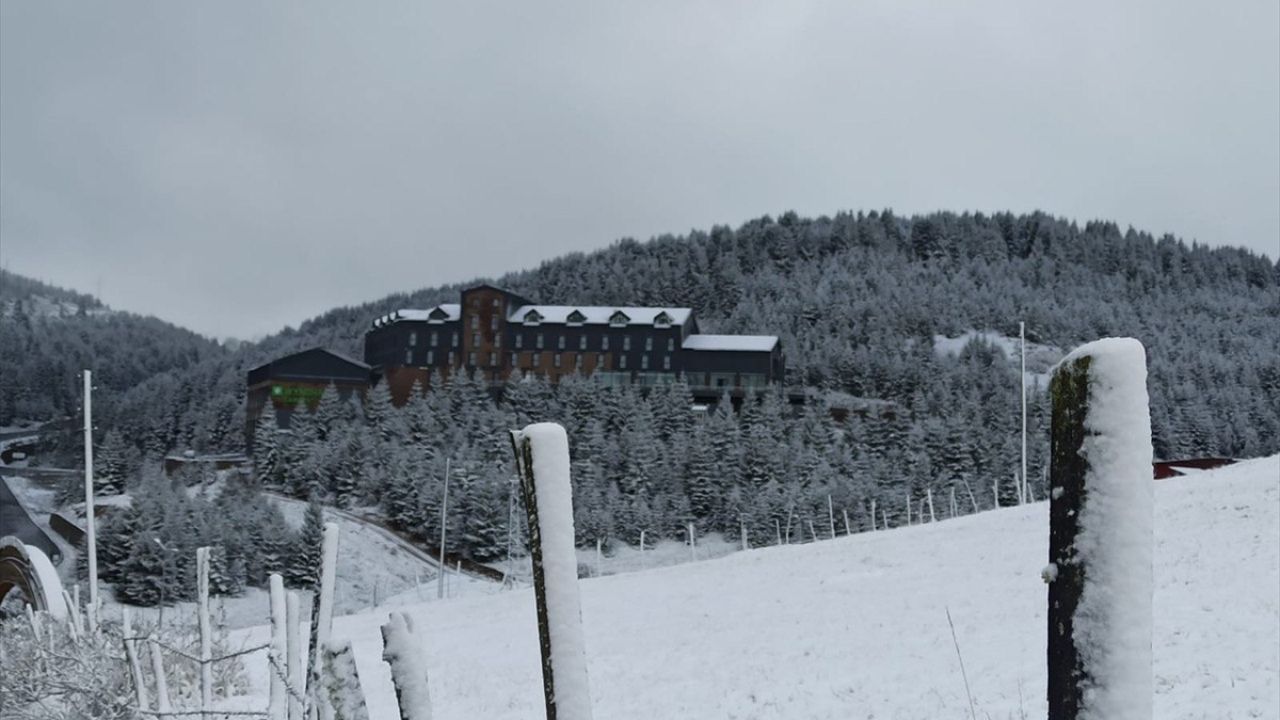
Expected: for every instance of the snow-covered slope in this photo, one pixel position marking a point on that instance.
(857, 627)
(1040, 357)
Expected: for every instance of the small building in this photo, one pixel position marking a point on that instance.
(302, 377)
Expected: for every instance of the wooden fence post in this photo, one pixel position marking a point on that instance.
(131, 654)
(548, 500)
(164, 707)
(206, 633)
(1100, 519)
(277, 698)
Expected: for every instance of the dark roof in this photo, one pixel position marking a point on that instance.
(314, 364)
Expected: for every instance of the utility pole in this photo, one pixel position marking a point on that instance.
(1022, 382)
(444, 525)
(91, 546)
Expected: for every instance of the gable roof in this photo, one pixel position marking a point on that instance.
(445, 312)
(600, 314)
(312, 365)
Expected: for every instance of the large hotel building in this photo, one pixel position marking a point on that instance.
(494, 333)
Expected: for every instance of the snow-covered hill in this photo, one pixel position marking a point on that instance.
(857, 627)
(1040, 357)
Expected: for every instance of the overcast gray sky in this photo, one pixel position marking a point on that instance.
(237, 166)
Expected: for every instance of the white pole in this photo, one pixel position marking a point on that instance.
(873, 516)
(995, 490)
(322, 614)
(884, 516)
(908, 508)
(813, 531)
(847, 530)
(777, 529)
(932, 517)
(277, 699)
(163, 706)
(642, 542)
(294, 664)
(91, 534)
(745, 544)
(206, 639)
(457, 578)
(599, 556)
(131, 652)
(1022, 382)
(954, 509)
(444, 525)
(693, 550)
(831, 517)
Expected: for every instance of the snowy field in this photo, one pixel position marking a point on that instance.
(857, 627)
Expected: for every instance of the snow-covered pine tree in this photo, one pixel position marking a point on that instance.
(303, 567)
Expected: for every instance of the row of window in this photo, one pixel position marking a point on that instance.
(537, 360)
(539, 341)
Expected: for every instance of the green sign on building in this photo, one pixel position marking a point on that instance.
(291, 394)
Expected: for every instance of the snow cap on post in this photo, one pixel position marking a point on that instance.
(1100, 548)
(542, 457)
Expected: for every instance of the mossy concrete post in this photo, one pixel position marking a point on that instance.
(1100, 543)
(1069, 390)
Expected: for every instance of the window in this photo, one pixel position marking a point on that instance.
(497, 302)
(515, 360)
(475, 338)
(493, 359)
(450, 358)
(538, 341)
(455, 340)
(671, 344)
(408, 357)
(413, 339)
(493, 322)
(533, 317)
(622, 361)
(575, 319)
(555, 360)
(435, 338)
(475, 321)
(577, 361)
(619, 319)
(582, 343)
(599, 361)
(644, 362)
(561, 341)
(648, 342)
(431, 357)
(519, 341)
(471, 359)
(663, 320)
(497, 341)
(604, 342)
(626, 343)
(537, 359)
(666, 362)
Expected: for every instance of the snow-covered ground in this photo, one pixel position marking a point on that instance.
(857, 627)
